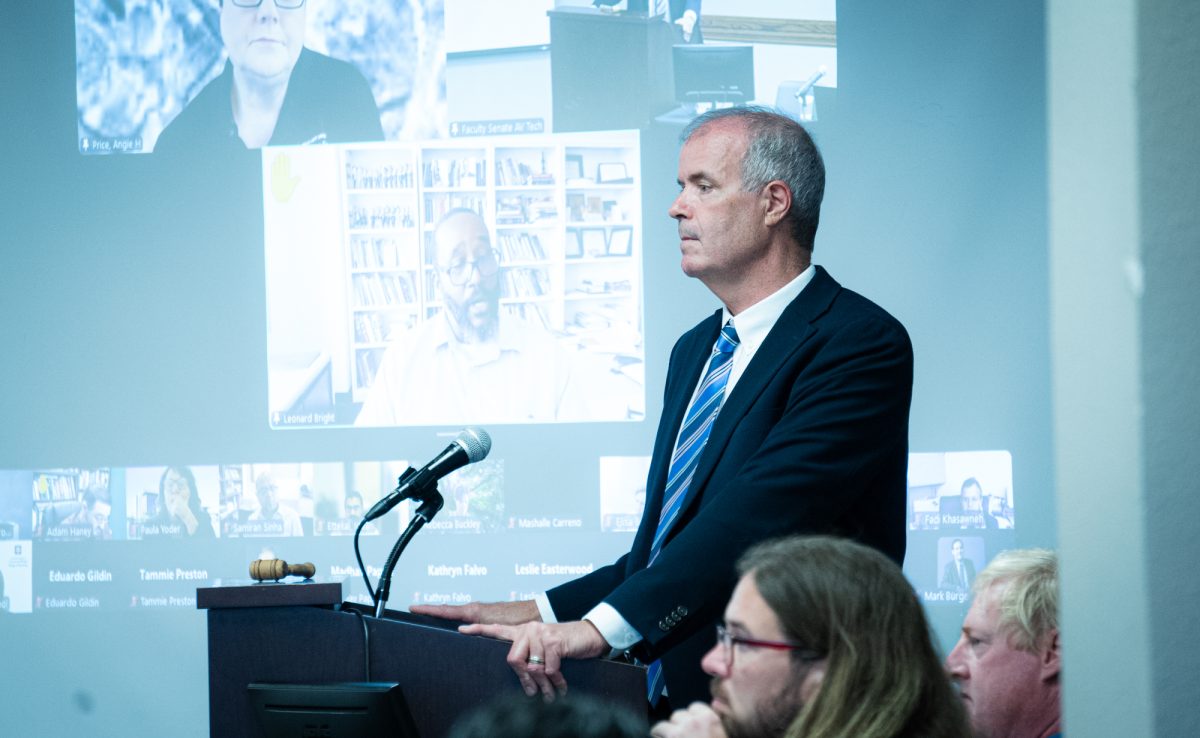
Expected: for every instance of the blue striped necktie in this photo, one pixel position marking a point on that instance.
(696, 426)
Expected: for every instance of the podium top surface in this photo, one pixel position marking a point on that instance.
(588, 14)
(249, 593)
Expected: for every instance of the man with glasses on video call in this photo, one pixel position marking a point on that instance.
(473, 361)
(273, 90)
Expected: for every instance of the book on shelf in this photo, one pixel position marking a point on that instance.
(385, 177)
(432, 293)
(510, 211)
(374, 253)
(525, 282)
(520, 247)
(372, 290)
(513, 173)
(459, 172)
(439, 203)
(378, 327)
(54, 487)
(525, 209)
(382, 216)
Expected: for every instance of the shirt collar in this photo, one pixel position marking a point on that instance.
(755, 322)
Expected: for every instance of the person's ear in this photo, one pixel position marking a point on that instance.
(777, 201)
(811, 685)
(1051, 657)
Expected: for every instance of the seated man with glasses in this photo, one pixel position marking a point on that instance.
(273, 90)
(822, 637)
(473, 362)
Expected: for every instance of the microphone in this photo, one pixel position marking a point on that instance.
(811, 82)
(276, 569)
(471, 445)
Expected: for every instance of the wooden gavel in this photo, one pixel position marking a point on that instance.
(276, 569)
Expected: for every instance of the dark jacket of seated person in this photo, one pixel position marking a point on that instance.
(327, 101)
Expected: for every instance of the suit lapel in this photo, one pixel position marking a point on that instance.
(693, 358)
(683, 375)
(789, 333)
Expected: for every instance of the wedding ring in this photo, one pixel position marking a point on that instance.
(535, 660)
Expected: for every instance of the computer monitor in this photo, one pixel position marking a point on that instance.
(335, 710)
(707, 73)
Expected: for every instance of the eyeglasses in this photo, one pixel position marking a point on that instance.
(281, 4)
(460, 270)
(727, 641)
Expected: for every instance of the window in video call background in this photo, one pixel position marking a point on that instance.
(346, 245)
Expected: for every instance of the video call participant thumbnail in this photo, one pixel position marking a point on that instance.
(179, 512)
(328, 523)
(271, 518)
(273, 90)
(92, 520)
(959, 572)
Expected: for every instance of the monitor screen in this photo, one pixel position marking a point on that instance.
(359, 709)
(713, 73)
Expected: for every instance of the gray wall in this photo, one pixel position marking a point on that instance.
(1123, 105)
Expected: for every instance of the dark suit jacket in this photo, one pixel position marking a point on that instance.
(327, 99)
(951, 579)
(812, 439)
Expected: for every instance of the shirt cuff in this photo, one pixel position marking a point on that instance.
(614, 628)
(544, 608)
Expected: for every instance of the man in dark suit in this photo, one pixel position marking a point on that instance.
(959, 572)
(810, 386)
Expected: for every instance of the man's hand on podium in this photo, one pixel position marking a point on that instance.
(539, 648)
(499, 613)
(687, 24)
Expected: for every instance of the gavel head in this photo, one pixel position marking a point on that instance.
(264, 569)
(276, 569)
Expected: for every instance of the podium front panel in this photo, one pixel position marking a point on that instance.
(442, 673)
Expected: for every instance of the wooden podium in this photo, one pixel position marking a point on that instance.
(304, 633)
